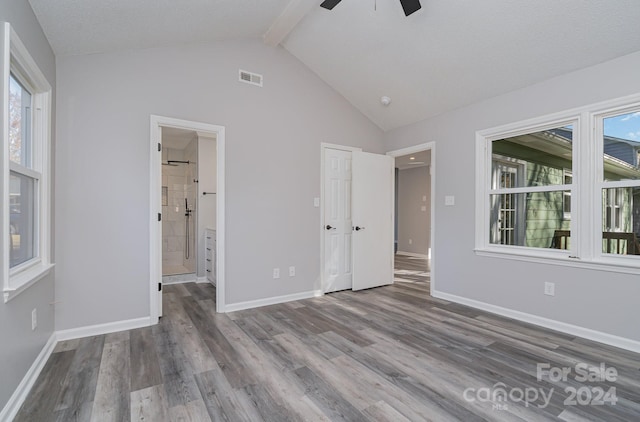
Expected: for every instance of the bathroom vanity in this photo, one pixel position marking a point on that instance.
(210, 255)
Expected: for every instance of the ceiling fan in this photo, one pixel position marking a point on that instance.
(409, 6)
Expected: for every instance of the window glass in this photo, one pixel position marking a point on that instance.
(22, 221)
(543, 156)
(530, 204)
(534, 219)
(621, 146)
(19, 123)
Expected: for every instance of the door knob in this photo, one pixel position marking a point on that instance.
(358, 228)
(328, 227)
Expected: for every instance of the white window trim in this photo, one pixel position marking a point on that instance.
(586, 250)
(15, 58)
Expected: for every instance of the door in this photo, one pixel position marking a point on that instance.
(337, 220)
(156, 273)
(358, 223)
(372, 206)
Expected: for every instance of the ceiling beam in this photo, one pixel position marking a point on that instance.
(289, 19)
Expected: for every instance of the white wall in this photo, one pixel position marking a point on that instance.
(273, 137)
(207, 167)
(19, 346)
(414, 210)
(601, 301)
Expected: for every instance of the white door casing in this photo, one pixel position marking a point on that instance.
(372, 207)
(156, 123)
(337, 220)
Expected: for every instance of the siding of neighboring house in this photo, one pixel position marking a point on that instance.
(543, 211)
(620, 150)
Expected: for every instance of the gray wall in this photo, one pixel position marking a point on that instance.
(273, 137)
(414, 184)
(20, 345)
(602, 301)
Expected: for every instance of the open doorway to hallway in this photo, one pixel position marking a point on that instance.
(414, 205)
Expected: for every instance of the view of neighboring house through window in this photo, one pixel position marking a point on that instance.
(563, 186)
(621, 183)
(23, 182)
(530, 196)
(566, 199)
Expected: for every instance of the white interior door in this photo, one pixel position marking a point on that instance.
(158, 243)
(372, 208)
(337, 220)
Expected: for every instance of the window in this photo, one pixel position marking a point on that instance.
(619, 133)
(566, 198)
(25, 166)
(563, 188)
(529, 189)
(23, 180)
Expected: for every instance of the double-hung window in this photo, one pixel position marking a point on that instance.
(563, 188)
(25, 109)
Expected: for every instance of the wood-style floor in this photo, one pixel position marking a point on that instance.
(386, 354)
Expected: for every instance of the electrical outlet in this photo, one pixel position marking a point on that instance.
(549, 288)
(34, 319)
(292, 271)
(276, 273)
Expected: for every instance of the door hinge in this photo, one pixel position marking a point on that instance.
(159, 216)
(159, 147)
(159, 287)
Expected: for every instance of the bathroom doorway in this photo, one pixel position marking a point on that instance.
(179, 205)
(187, 207)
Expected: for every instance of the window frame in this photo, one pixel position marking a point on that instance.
(597, 117)
(585, 191)
(17, 61)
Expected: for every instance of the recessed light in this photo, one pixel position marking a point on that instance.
(412, 158)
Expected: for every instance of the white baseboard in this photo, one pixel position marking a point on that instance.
(606, 338)
(99, 329)
(417, 255)
(202, 280)
(20, 394)
(271, 301)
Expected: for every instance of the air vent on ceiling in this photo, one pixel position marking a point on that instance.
(250, 78)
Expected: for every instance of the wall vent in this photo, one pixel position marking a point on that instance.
(250, 78)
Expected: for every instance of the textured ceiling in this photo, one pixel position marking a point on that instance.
(455, 52)
(94, 26)
(448, 54)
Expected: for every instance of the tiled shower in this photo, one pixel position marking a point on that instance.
(179, 190)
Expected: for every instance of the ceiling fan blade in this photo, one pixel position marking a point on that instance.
(409, 6)
(329, 4)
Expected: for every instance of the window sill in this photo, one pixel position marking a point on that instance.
(25, 279)
(616, 264)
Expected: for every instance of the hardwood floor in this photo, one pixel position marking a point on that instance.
(385, 354)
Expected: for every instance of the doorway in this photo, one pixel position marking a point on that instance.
(414, 223)
(180, 208)
(187, 206)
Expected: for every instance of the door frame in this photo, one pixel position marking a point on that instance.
(155, 207)
(320, 290)
(428, 146)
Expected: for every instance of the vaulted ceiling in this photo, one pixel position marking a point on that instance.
(448, 54)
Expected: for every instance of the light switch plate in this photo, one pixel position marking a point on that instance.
(316, 202)
(449, 200)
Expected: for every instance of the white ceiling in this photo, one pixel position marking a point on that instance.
(418, 159)
(449, 54)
